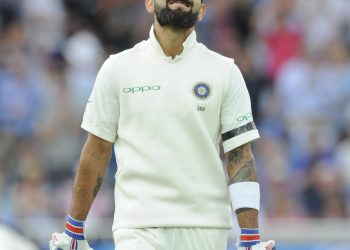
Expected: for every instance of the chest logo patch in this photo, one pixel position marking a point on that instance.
(201, 90)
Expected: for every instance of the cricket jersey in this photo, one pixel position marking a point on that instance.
(167, 117)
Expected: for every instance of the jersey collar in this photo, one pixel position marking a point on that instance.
(188, 45)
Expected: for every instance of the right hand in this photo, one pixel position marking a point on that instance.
(64, 242)
(268, 245)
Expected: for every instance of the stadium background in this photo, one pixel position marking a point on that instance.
(294, 55)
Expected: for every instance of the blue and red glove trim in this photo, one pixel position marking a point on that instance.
(249, 237)
(75, 228)
(74, 245)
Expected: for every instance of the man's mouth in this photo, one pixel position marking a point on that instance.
(187, 3)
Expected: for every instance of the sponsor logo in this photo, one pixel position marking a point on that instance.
(246, 117)
(141, 89)
(201, 90)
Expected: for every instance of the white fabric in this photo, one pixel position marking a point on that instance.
(167, 138)
(268, 245)
(236, 110)
(11, 240)
(171, 239)
(245, 195)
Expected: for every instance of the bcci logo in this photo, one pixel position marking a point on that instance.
(201, 90)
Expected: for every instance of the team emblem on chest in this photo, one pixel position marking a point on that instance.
(201, 90)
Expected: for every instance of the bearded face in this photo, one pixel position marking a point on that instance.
(180, 14)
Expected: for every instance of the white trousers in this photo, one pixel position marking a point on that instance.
(171, 239)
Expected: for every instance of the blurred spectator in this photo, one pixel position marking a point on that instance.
(84, 56)
(281, 33)
(21, 98)
(324, 194)
(323, 20)
(43, 25)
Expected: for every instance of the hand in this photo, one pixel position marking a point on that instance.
(269, 245)
(64, 242)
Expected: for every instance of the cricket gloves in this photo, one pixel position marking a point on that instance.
(269, 245)
(250, 240)
(73, 237)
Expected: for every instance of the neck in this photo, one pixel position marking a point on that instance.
(171, 39)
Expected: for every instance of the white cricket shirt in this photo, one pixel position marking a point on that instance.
(166, 117)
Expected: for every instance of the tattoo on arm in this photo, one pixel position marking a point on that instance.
(99, 181)
(245, 173)
(241, 165)
(241, 168)
(236, 156)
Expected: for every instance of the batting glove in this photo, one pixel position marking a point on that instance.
(73, 237)
(269, 245)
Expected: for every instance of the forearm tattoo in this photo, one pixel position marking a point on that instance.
(241, 165)
(99, 181)
(245, 173)
(236, 156)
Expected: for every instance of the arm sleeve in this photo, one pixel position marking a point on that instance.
(237, 125)
(102, 110)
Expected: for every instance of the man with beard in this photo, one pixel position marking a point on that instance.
(165, 104)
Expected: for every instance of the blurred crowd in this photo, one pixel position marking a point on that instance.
(294, 55)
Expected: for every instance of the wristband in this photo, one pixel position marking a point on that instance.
(249, 237)
(245, 195)
(75, 228)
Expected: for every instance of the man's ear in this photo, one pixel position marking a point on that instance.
(202, 11)
(149, 6)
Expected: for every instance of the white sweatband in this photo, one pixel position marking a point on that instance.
(245, 195)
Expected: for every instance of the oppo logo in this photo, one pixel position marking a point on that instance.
(246, 117)
(140, 89)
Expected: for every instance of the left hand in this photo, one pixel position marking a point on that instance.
(64, 242)
(268, 245)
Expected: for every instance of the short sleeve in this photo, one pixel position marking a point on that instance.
(102, 110)
(237, 125)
